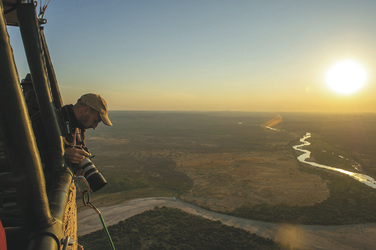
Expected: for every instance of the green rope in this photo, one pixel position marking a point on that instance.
(86, 201)
(105, 227)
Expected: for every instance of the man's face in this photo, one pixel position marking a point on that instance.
(89, 119)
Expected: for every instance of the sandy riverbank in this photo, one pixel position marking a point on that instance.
(296, 236)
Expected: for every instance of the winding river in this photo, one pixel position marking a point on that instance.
(343, 237)
(365, 179)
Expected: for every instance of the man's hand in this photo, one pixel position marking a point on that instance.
(75, 155)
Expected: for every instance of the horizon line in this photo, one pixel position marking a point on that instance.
(244, 111)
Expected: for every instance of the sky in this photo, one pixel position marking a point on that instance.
(209, 55)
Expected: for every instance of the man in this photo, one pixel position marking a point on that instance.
(73, 120)
(87, 113)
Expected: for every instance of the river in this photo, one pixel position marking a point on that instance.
(342, 237)
(365, 179)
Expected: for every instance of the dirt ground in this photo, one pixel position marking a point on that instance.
(223, 182)
(345, 237)
(230, 179)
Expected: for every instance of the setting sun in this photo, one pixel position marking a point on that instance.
(346, 77)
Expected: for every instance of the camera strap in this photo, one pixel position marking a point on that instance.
(73, 134)
(80, 137)
(68, 126)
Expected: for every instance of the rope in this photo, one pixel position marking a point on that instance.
(86, 201)
(89, 204)
(42, 11)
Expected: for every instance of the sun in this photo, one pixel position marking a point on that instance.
(346, 77)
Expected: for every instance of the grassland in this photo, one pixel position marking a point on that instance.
(228, 163)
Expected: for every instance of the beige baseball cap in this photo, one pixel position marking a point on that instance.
(97, 103)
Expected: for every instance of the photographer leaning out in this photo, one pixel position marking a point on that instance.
(73, 120)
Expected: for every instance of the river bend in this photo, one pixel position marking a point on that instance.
(365, 179)
(342, 237)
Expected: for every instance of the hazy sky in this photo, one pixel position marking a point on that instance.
(209, 54)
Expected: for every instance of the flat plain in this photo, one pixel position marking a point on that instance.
(229, 162)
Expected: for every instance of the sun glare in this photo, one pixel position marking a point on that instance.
(346, 77)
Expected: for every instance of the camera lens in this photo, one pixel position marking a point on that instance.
(92, 175)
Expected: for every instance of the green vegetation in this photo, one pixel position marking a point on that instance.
(330, 154)
(354, 135)
(137, 157)
(350, 202)
(167, 228)
(139, 178)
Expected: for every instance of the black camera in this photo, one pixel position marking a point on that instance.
(91, 173)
